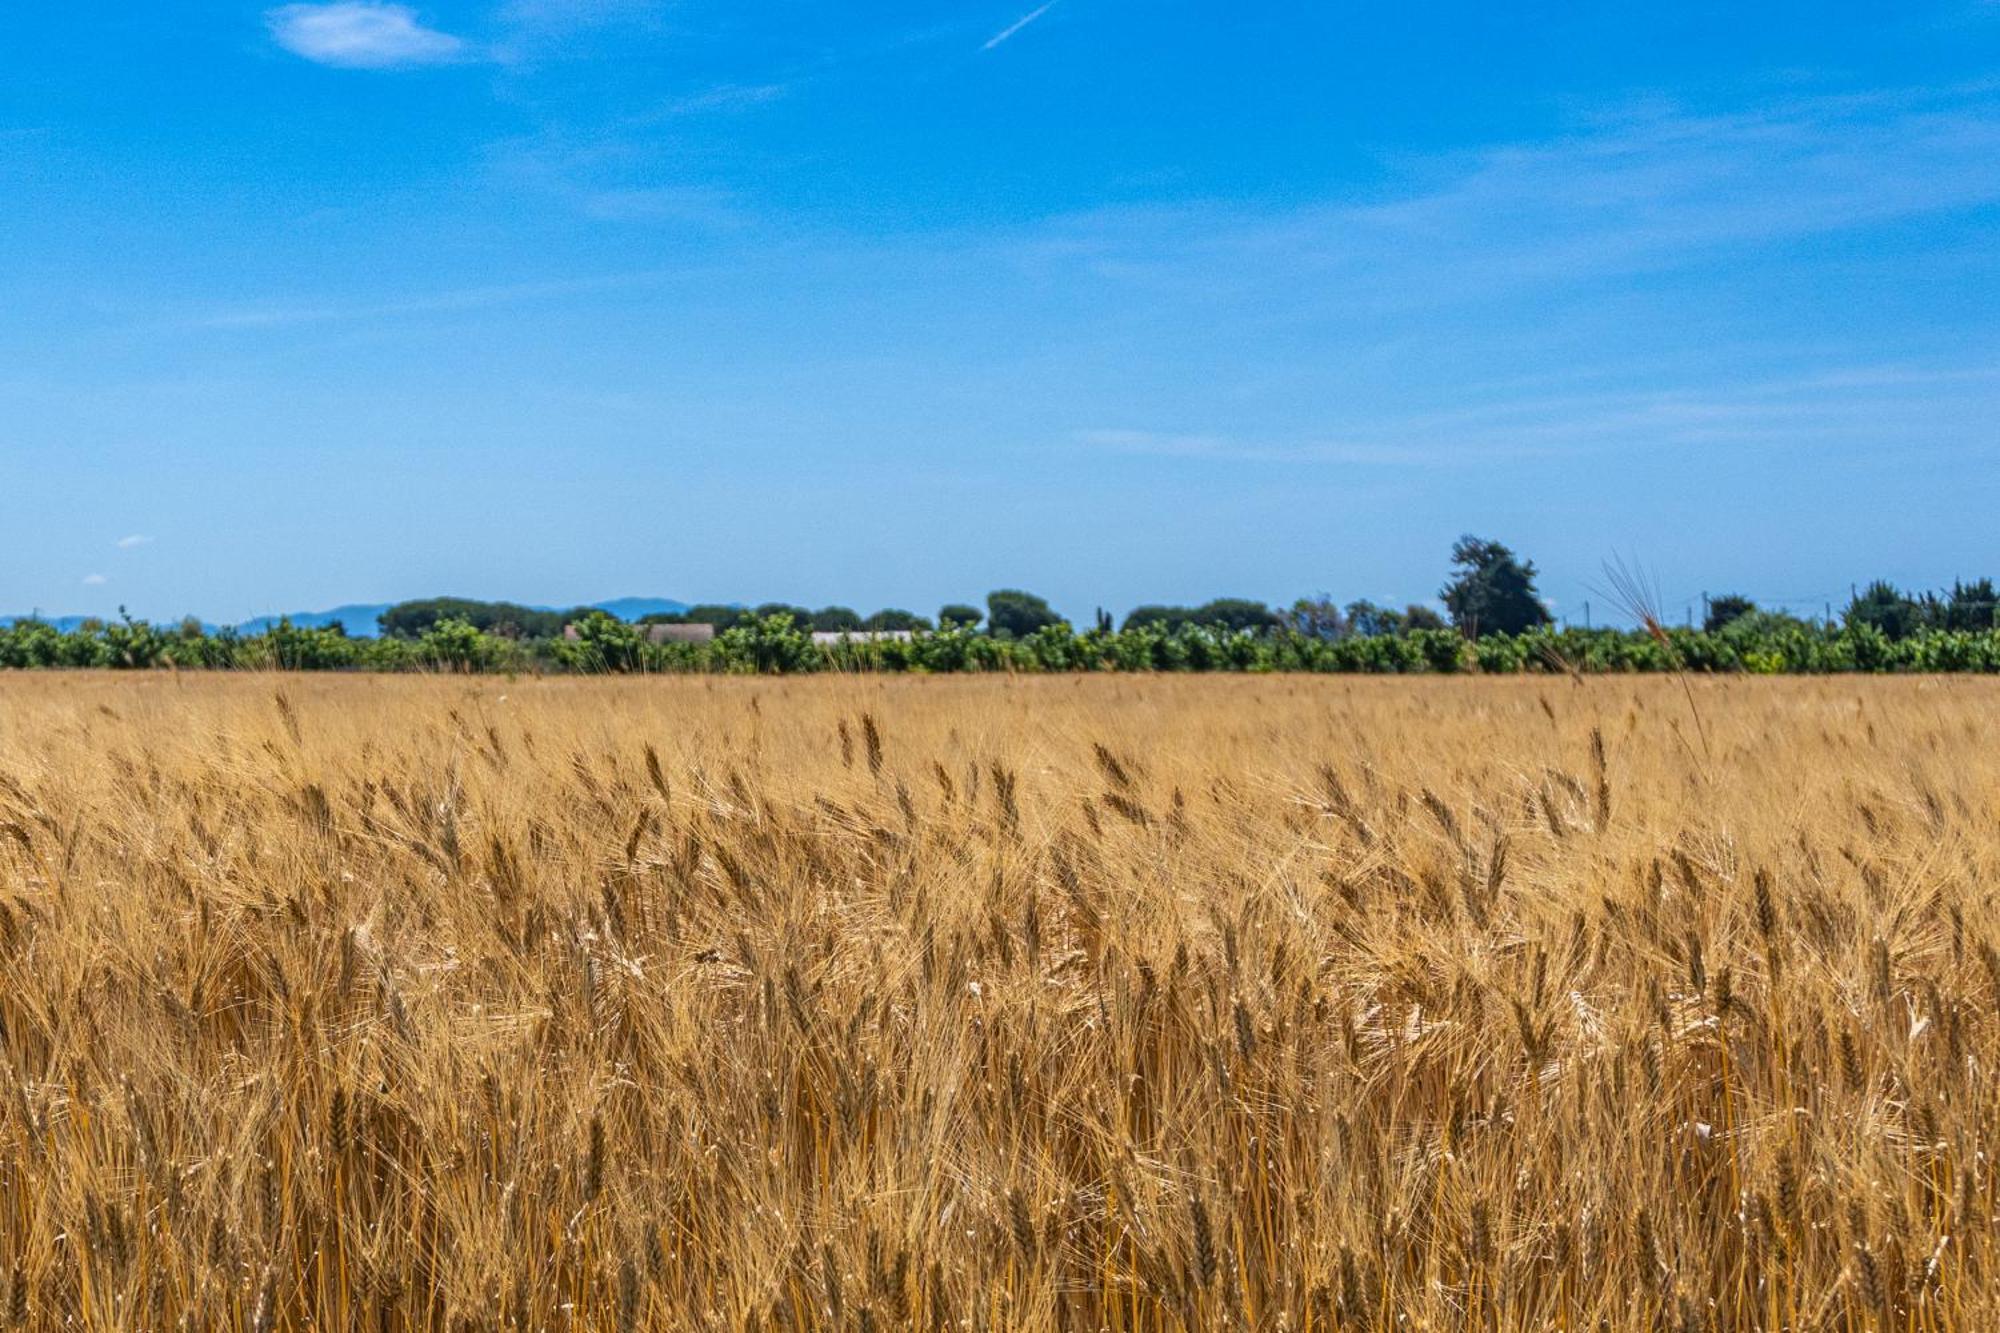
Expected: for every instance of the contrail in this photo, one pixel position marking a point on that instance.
(1017, 25)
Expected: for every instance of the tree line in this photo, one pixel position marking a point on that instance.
(1494, 620)
(1491, 591)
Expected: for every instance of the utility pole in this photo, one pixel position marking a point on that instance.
(1586, 615)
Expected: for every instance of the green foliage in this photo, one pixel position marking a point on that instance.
(1417, 617)
(1225, 613)
(1499, 655)
(1016, 614)
(1763, 662)
(131, 645)
(1761, 624)
(1972, 606)
(1235, 614)
(1967, 607)
(1885, 630)
(409, 620)
(600, 642)
(289, 647)
(1884, 608)
(1316, 617)
(1493, 591)
(835, 619)
(1371, 621)
(1760, 642)
(1725, 609)
(1442, 650)
(708, 613)
(1145, 617)
(766, 645)
(893, 618)
(959, 615)
(36, 643)
(799, 614)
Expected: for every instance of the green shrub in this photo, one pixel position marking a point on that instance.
(1757, 642)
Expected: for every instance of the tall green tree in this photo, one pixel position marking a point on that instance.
(1010, 611)
(895, 618)
(1885, 607)
(1416, 617)
(1728, 607)
(836, 618)
(1493, 591)
(959, 615)
(1154, 615)
(409, 620)
(1235, 613)
(1370, 621)
(1317, 617)
(1972, 606)
(708, 613)
(801, 615)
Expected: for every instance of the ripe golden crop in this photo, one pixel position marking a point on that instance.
(1000, 1004)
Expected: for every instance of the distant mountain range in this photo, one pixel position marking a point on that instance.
(360, 618)
(64, 623)
(633, 608)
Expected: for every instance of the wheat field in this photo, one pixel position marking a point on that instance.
(998, 1004)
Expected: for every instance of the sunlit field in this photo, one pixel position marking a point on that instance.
(998, 1003)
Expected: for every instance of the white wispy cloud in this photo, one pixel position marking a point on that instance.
(1581, 291)
(362, 34)
(1012, 28)
(1650, 190)
(127, 543)
(1833, 405)
(531, 33)
(724, 97)
(444, 302)
(615, 177)
(94, 580)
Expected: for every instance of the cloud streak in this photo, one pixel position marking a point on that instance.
(362, 34)
(460, 300)
(129, 543)
(1647, 192)
(1008, 32)
(725, 97)
(1851, 404)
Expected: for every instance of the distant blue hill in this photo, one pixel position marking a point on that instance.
(632, 608)
(359, 618)
(66, 624)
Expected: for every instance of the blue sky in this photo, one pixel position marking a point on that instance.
(893, 303)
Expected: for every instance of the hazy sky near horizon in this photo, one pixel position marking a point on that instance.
(893, 303)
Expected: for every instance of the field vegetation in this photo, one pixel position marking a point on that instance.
(779, 644)
(1499, 625)
(998, 1003)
